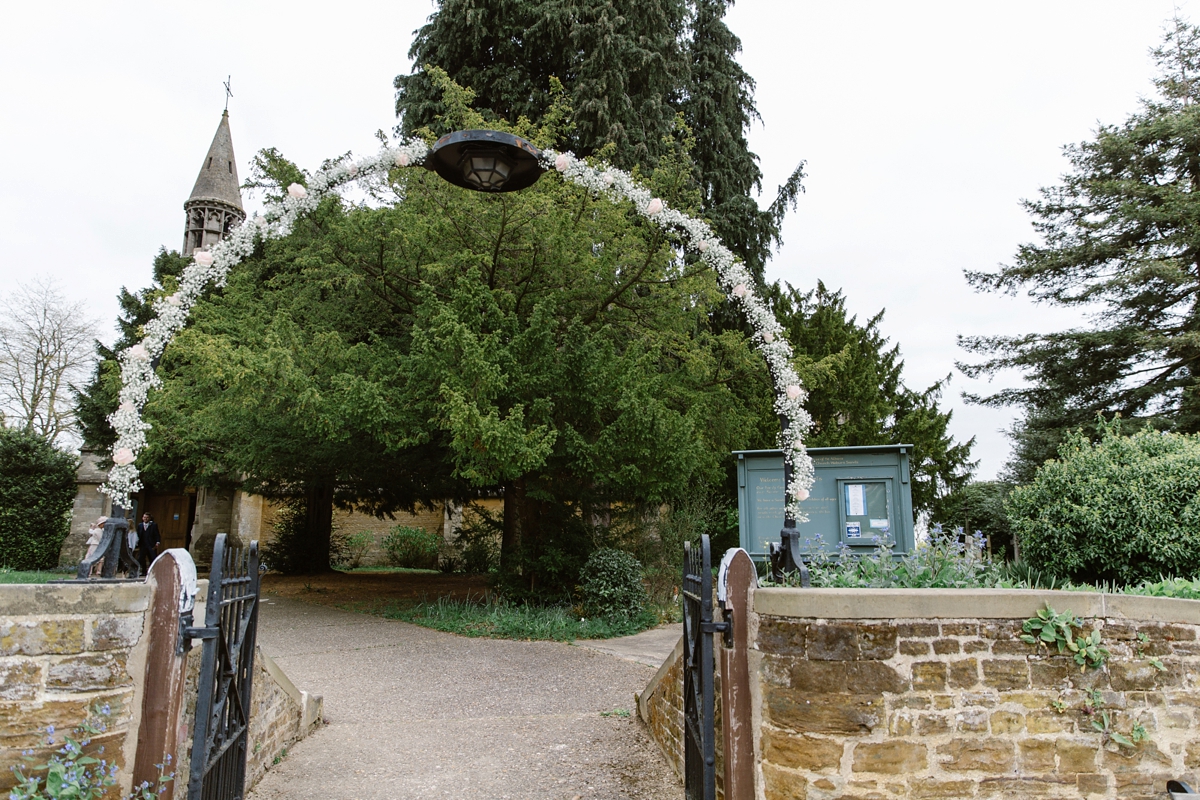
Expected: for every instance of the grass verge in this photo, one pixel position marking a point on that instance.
(29, 576)
(500, 620)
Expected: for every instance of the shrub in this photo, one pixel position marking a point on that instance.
(941, 563)
(415, 548)
(612, 585)
(353, 549)
(37, 490)
(1124, 509)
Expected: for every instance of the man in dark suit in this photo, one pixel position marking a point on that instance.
(148, 541)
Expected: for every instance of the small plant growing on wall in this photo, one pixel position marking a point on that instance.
(1050, 628)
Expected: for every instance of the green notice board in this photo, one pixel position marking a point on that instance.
(861, 494)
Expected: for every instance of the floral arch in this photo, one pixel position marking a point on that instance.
(138, 377)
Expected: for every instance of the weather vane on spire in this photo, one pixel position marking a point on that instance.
(228, 92)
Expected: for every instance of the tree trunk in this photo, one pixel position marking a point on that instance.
(510, 538)
(318, 525)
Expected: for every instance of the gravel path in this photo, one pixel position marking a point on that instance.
(416, 713)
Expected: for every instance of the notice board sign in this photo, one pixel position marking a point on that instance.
(861, 495)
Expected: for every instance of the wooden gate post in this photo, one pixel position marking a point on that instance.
(736, 722)
(166, 673)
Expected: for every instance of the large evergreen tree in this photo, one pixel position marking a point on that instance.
(631, 68)
(857, 394)
(545, 343)
(1120, 238)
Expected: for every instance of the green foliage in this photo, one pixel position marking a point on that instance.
(633, 70)
(978, 507)
(415, 548)
(1171, 587)
(354, 548)
(30, 576)
(37, 490)
(940, 563)
(1118, 238)
(611, 585)
(75, 771)
(857, 395)
(1104, 722)
(504, 620)
(1052, 628)
(1126, 509)
(290, 549)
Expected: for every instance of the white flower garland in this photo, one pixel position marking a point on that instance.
(171, 313)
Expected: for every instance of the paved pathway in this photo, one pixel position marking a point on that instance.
(415, 713)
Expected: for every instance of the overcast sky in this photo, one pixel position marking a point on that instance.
(923, 125)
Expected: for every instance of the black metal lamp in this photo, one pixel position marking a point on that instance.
(486, 161)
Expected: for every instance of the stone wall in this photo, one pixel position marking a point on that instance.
(888, 694)
(893, 694)
(64, 650)
(281, 715)
(660, 706)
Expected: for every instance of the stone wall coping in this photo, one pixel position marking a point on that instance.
(46, 599)
(966, 604)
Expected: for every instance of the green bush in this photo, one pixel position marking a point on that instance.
(1125, 509)
(353, 549)
(415, 548)
(612, 586)
(943, 562)
(37, 490)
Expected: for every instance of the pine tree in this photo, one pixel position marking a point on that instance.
(719, 108)
(1120, 235)
(857, 396)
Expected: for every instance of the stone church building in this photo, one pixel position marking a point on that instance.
(193, 518)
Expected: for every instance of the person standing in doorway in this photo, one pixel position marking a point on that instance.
(148, 542)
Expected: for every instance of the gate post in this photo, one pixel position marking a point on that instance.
(173, 576)
(738, 577)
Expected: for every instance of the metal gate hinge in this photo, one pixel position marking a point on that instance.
(715, 627)
(208, 632)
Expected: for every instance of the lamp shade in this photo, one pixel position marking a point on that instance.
(486, 161)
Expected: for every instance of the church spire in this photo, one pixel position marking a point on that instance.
(215, 206)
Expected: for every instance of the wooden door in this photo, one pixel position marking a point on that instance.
(170, 511)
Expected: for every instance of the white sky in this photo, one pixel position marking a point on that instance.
(923, 125)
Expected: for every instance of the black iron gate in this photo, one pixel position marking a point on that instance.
(221, 731)
(699, 734)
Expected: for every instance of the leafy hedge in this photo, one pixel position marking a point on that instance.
(1125, 509)
(37, 490)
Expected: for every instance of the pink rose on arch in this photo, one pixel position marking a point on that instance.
(174, 300)
(127, 406)
(123, 456)
(562, 162)
(297, 191)
(139, 352)
(793, 391)
(402, 159)
(802, 495)
(203, 258)
(655, 206)
(739, 290)
(702, 245)
(768, 337)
